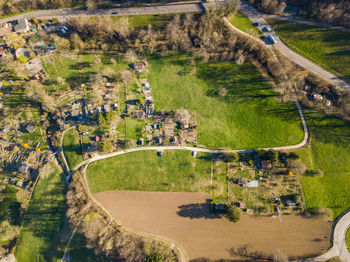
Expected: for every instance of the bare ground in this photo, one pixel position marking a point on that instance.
(185, 218)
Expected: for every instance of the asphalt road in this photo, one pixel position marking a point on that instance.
(257, 17)
(66, 13)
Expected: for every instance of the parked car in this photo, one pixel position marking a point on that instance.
(256, 24)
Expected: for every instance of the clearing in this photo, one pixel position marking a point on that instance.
(72, 148)
(243, 23)
(43, 218)
(326, 47)
(329, 152)
(234, 106)
(203, 235)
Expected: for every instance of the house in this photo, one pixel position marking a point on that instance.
(97, 138)
(241, 204)
(106, 108)
(266, 165)
(290, 204)
(2, 51)
(5, 29)
(149, 138)
(174, 140)
(158, 140)
(148, 96)
(30, 127)
(138, 67)
(252, 183)
(141, 141)
(149, 109)
(74, 113)
(138, 114)
(23, 168)
(20, 183)
(22, 25)
(239, 181)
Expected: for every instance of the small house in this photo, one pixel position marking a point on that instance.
(23, 168)
(106, 108)
(30, 127)
(22, 25)
(138, 114)
(138, 67)
(241, 204)
(252, 183)
(266, 165)
(290, 204)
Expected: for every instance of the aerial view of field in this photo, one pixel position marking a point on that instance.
(185, 218)
(234, 106)
(327, 47)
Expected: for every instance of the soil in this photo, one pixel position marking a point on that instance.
(185, 218)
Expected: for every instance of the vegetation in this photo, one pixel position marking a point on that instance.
(137, 22)
(233, 105)
(72, 148)
(233, 213)
(243, 23)
(329, 153)
(43, 218)
(174, 171)
(324, 46)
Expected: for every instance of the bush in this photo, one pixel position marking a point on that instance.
(233, 213)
(22, 59)
(310, 172)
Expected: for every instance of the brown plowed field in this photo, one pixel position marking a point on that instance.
(184, 217)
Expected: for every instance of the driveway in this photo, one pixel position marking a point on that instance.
(257, 17)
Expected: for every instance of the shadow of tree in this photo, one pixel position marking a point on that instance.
(197, 210)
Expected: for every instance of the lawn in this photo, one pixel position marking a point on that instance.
(76, 70)
(72, 148)
(329, 152)
(130, 128)
(43, 219)
(137, 22)
(326, 47)
(243, 23)
(233, 105)
(174, 171)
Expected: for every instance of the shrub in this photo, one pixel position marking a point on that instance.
(233, 213)
(22, 59)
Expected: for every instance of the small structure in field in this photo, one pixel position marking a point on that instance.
(22, 25)
(266, 165)
(138, 67)
(252, 183)
(30, 127)
(290, 204)
(23, 168)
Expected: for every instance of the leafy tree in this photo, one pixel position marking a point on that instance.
(106, 146)
(14, 40)
(272, 156)
(233, 213)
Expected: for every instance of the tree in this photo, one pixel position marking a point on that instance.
(271, 156)
(106, 146)
(233, 213)
(90, 5)
(14, 40)
(230, 157)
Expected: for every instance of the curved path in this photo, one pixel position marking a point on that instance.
(257, 17)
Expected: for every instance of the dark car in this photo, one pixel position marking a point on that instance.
(114, 13)
(256, 24)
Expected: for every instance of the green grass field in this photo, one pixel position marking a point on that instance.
(174, 171)
(43, 219)
(247, 116)
(72, 148)
(326, 47)
(329, 152)
(243, 23)
(137, 22)
(76, 70)
(131, 128)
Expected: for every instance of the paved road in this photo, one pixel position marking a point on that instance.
(151, 9)
(257, 17)
(299, 20)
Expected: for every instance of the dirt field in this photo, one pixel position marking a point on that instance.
(184, 217)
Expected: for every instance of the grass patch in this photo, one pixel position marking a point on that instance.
(233, 105)
(43, 219)
(131, 128)
(175, 171)
(329, 152)
(327, 47)
(72, 148)
(243, 23)
(137, 22)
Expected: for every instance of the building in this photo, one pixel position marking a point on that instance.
(138, 67)
(266, 165)
(106, 108)
(30, 127)
(252, 183)
(138, 114)
(23, 168)
(22, 26)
